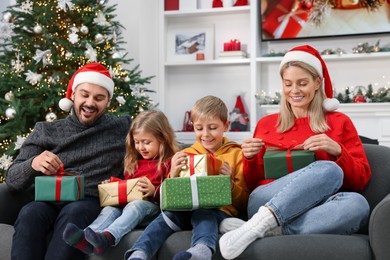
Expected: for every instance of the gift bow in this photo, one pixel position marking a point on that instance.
(122, 189)
(280, 147)
(61, 172)
(192, 165)
(284, 19)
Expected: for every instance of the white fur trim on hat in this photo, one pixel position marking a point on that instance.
(305, 57)
(65, 104)
(94, 78)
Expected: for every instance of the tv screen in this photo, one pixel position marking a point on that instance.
(294, 19)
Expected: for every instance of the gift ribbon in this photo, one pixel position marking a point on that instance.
(284, 19)
(280, 147)
(122, 192)
(194, 192)
(212, 163)
(61, 172)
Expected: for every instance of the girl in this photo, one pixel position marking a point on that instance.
(150, 143)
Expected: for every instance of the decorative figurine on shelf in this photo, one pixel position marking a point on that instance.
(217, 3)
(241, 3)
(359, 97)
(238, 117)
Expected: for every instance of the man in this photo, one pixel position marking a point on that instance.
(88, 142)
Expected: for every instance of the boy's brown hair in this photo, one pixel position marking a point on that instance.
(209, 107)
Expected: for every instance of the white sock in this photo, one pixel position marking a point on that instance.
(138, 254)
(233, 243)
(229, 224)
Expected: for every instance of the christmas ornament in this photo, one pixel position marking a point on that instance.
(116, 55)
(90, 53)
(121, 100)
(126, 79)
(99, 37)
(50, 117)
(101, 19)
(38, 29)
(10, 112)
(62, 4)
(43, 56)
(73, 38)
(68, 54)
(27, 6)
(84, 29)
(19, 141)
(5, 161)
(7, 17)
(33, 78)
(9, 96)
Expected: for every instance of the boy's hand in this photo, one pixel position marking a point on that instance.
(146, 187)
(179, 160)
(106, 181)
(225, 169)
(251, 146)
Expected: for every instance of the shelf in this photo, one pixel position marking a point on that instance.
(212, 11)
(209, 62)
(335, 57)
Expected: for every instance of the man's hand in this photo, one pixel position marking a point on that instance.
(47, 162)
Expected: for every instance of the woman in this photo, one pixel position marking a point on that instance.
(314, 199)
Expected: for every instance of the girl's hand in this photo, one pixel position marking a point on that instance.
(251, 146)
(106, 181)
(179, 160)
(324, 143)
(146, 187)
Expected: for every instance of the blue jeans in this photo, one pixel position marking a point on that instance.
(37, 219)
(120, 221)
(204, 222)
(306, 202)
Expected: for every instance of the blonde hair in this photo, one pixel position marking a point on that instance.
(156, 123)
(316, 112)
(209, 107)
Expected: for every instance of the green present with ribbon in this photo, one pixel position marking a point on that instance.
(60, 187)
(279, 162)
(195, 192)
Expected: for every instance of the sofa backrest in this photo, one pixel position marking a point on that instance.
(379, 185)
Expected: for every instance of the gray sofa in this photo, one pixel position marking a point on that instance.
(371, 243)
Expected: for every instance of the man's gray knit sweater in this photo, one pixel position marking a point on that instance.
(95, 151)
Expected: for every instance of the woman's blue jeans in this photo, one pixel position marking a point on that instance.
(204, 224)
(307, 202)
(37, 219)
(120, 221)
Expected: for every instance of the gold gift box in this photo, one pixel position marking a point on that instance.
(201, 163)
(119, 192)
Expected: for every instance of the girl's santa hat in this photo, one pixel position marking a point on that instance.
(94, 73)
(311, 56)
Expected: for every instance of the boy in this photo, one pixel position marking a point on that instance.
(210, 119)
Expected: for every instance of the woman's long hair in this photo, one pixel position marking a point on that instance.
(316, 112)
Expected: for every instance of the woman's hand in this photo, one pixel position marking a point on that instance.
(324, 143)
(179, 160)
(47, 162)
(251, 146)
(146, 187)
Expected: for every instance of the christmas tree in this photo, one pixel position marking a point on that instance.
(42, 43)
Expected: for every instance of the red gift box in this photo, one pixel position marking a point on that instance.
(286, 19)
(171, 5)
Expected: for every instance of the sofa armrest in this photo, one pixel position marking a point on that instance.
(379, 229)
(11, 202)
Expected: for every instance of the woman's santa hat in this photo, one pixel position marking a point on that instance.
(94, 73)
(311, 56)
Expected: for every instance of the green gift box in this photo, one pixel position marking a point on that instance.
(59, 188)
(188, 193)
(278, 163)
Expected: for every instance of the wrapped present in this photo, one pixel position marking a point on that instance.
(201, 163)
(286, 19)
(195, 192)
(278, 163)
(119, 192)
(59, 188)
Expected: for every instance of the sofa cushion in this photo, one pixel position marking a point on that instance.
(6, 233)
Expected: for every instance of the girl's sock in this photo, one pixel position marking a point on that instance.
(198, 252)
(74, 236)
(99, 240)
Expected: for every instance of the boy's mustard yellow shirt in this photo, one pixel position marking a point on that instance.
(229, 152)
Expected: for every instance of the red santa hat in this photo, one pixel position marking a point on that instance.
(311, 56)
(91, 73)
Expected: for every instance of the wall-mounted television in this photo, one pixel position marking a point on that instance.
(299, 19)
